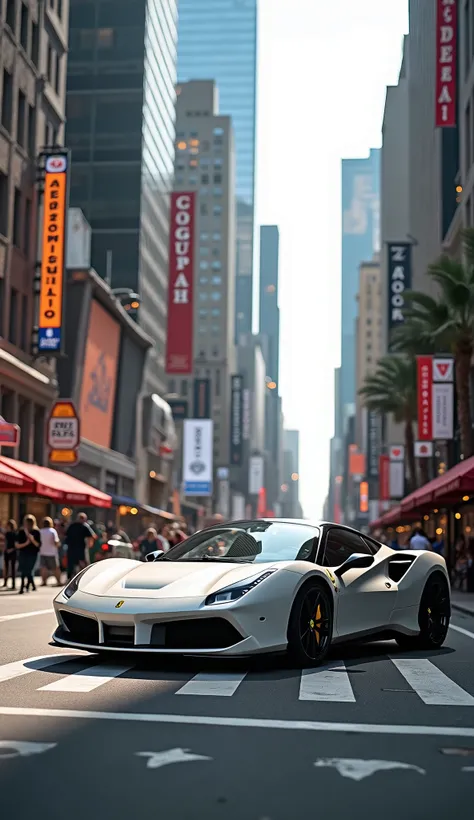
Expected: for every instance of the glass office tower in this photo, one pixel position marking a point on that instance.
(217, 40)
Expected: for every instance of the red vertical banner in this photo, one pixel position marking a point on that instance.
(179, 342)
(446, 63)
(384, 478)
(425, 397)
(262, 502)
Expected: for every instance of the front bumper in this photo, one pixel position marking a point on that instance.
(179, 627)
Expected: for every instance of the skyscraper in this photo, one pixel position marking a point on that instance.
(269, 310)
(217, 39)
(360, 238)
(205, 163)
(120, 127)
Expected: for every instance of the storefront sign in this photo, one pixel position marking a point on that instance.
(9, 434)
(423, 449)
(397, 452)
(374, 443)
(197, 457)
(179, 347)
(443, 412)
(53, 243)
(256, 474)
(425, 397)
(399, 280)
(364, 497)
(446, 63)
(202, 398)
(236, 421)
(443, 369)
(63, 433)
(397, 480)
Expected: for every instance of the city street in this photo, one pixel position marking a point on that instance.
(376, 727)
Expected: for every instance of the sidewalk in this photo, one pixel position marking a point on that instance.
(463, 601)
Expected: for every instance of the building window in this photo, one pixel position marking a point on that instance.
(38, 442)
(17, 219)
(34, 43)
(7, 100)
(216, 237)
(203, 280)
(204, 250)
(13, 324)
(204, 237)
(3, 204)
(218, 132)
(217, 192)
(59, 10)
(217, 179)
(205, 179)
(218, 162)
(27, 227)
(105, 38)
(217, 383)
(204, 265)
(216, 295)
(184, 388)
(24, 27)
(203, 209)
(217, 280)
(216, 265)
(11, 15)
(24, 325)
(217, 210)
(57, 75)
(193, 180)
(31, 132)
(202, 313)
(20, 122)
(215, 312)
(203, 296)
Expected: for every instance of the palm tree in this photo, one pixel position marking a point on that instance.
(446, 325)
(391, 389)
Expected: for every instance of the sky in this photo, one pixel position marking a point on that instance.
(323, 69)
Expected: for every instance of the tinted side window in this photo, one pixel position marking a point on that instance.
(374, 546)
(340, 545)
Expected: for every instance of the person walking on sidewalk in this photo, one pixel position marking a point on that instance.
(49, 559)
(10, 554)
(28, 543)
(79, 539)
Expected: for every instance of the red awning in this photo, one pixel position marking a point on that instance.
(56, 485)
(447, 487)
(13, 482)
(393, 516)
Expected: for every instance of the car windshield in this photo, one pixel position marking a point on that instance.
(252, 542)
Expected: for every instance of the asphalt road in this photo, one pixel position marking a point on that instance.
(378, 730)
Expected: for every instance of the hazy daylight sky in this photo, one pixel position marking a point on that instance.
(323, 69)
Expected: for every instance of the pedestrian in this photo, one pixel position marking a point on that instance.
(28, 543)
(163, 537)
(10, 553)
(419, 541)
(79, 539)
(49, 558)
(150, 543)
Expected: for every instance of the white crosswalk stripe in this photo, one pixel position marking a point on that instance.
(328, 683)
(86, 680)
(431, 684)
(216, 684)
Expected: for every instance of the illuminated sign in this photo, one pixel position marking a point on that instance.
(63, 433)
(53, 242)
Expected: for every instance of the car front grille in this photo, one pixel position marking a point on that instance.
(119, 635)
(202, 633)
(81, 629)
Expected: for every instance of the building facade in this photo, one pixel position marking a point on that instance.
(291, 506)
(205, 163)
(33, 53)
(120, 127)
(218, 40)
(369, 344)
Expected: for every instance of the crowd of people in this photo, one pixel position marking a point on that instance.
(58, 548)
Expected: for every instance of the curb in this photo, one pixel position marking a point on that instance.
(462, 608)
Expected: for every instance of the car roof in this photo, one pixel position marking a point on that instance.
(300, 521)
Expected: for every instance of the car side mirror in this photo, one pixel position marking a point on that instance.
(152, 556)
(356, 561)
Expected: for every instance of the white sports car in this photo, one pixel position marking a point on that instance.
(258, 586)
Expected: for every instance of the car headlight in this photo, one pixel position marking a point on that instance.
(73, 585)
(233, 593)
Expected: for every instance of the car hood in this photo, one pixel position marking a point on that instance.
(162, 579)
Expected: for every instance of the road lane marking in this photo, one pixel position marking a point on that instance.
(462, 631)
(359, 769)
(155, 760)
(22, 748)
(431, 685)
(242, 723)
(86, 680)
(329, 683)
(19, 615)
(218, 685)
(14, 670)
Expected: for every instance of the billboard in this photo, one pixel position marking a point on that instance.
(446, 63)
(425, 397)
(256, 474)
(443, 398)
(399, 280)
(63, 434)
(179, 341)
(236, 437)
(202, 398)
(397, 471)
(53, 253)
(374, 445)
(197, 457)
(99, 378)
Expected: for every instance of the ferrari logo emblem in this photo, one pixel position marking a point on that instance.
(120, 603)
(332, 579)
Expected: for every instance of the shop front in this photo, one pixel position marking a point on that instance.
(41, 491)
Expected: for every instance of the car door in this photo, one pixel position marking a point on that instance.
(366, 597)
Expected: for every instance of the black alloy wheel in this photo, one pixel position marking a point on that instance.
(433, 616)
(310, 626)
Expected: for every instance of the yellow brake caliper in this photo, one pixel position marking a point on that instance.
(316, 624)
